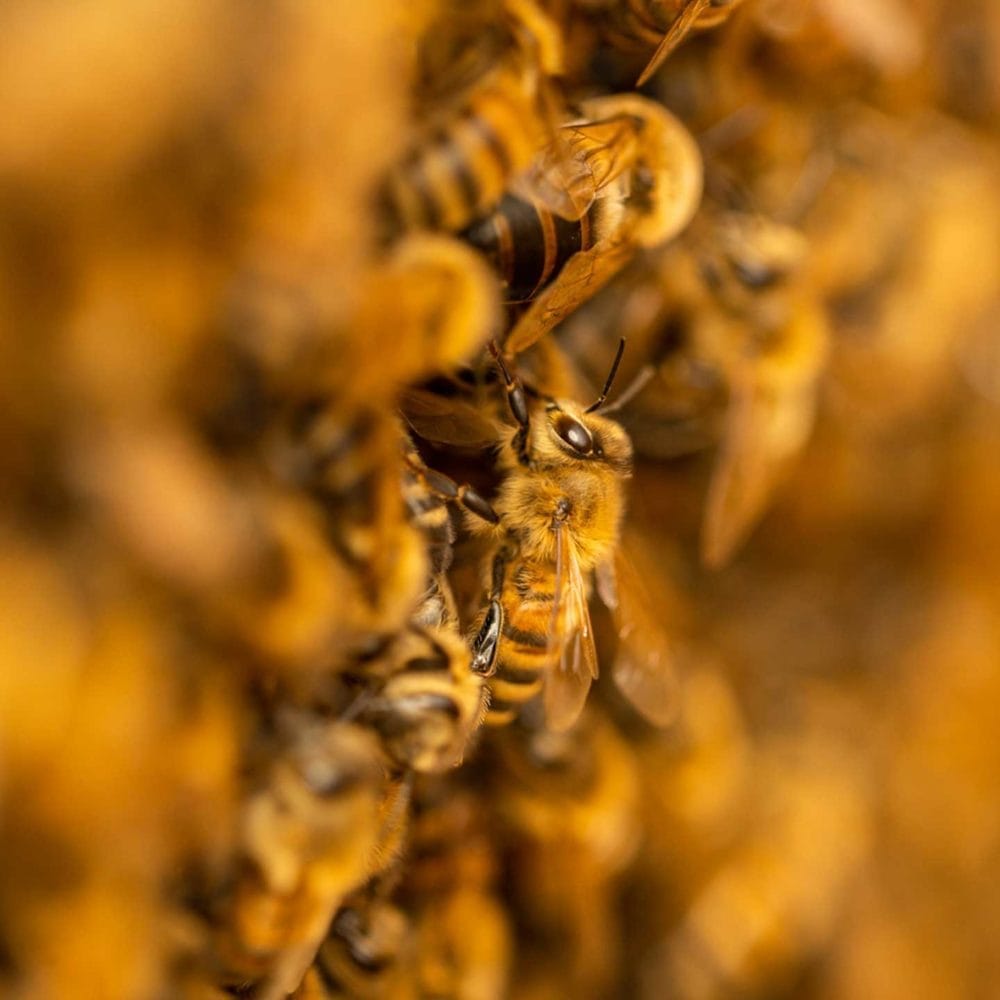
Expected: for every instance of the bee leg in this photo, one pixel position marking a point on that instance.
(447, 489)
(517, 400)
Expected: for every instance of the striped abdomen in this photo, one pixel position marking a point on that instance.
(528, 244)
(524, 653)
(461, 169)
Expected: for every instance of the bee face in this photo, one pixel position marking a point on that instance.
(566, 435)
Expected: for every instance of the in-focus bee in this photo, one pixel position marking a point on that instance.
(308, 837)
(560, 509)
(633, 178)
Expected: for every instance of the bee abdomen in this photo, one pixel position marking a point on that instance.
(527, 244)
(463, 168)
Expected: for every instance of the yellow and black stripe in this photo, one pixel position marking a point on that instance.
(529, 245)
(524, 651)
(460, 170)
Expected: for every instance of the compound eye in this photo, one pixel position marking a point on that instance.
(574, 434)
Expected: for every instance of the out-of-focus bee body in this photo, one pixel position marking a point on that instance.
(568, 804)
(460, 171)
(461, 933)
(429, 704)
(365, 956)
(487, 129)
(631, 25)
(308, 839)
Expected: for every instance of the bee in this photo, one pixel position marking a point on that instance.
(431, 702)
(568, 806)
(485, 70)
(635, 180)
(633, 24)
(560, 508)
(308, 835)
(365, 955)
(461, 933)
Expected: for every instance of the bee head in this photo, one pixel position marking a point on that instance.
(571, 435)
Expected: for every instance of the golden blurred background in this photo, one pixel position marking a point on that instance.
(244, 313)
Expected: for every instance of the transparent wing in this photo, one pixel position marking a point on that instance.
(644, 668)
(766, 427)
(571, 639)
(446, 420)
(584, 274)
(676, 33)
(582, 159)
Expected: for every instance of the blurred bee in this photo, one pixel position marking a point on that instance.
(485, 69)
(431, 702)
(738, 344)
(568, 806)
(635, 24)
(632, 178)
(560, 509)
(365, 956)
(341, 444)
(778, 896)
(308, 837)
(461, 933)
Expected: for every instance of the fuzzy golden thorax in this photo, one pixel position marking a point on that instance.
(579, 487)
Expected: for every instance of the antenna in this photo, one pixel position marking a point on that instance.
(611, 377)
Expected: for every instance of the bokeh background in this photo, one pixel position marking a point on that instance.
(188, 237)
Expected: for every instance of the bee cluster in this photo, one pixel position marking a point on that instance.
(372, 374)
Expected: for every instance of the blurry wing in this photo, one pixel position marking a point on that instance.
(765, 428)
(674, 36)
(578, 164)
(644, 668)
(584, 274)
(571, 636)
(444, 420)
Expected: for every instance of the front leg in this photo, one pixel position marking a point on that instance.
(517, 400)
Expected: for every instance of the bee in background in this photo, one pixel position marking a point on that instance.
(462, 937)
(634, 25)
(485, 72)
(308, 835)
(738, 344)
(632, 179)
(560, 508)
(428, 704)
(568, 809)
(366, 955)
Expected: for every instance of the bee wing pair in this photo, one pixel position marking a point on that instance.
(583, 275)
(643, 669)
(581, 161)
(571, 639)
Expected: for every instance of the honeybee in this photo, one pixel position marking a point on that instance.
(485, 70)
(428, 706)
(560, 508)
(567, 804)
(461, 933)
(632, 24)
(365, 955)
(634, 180)
(307, 839)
